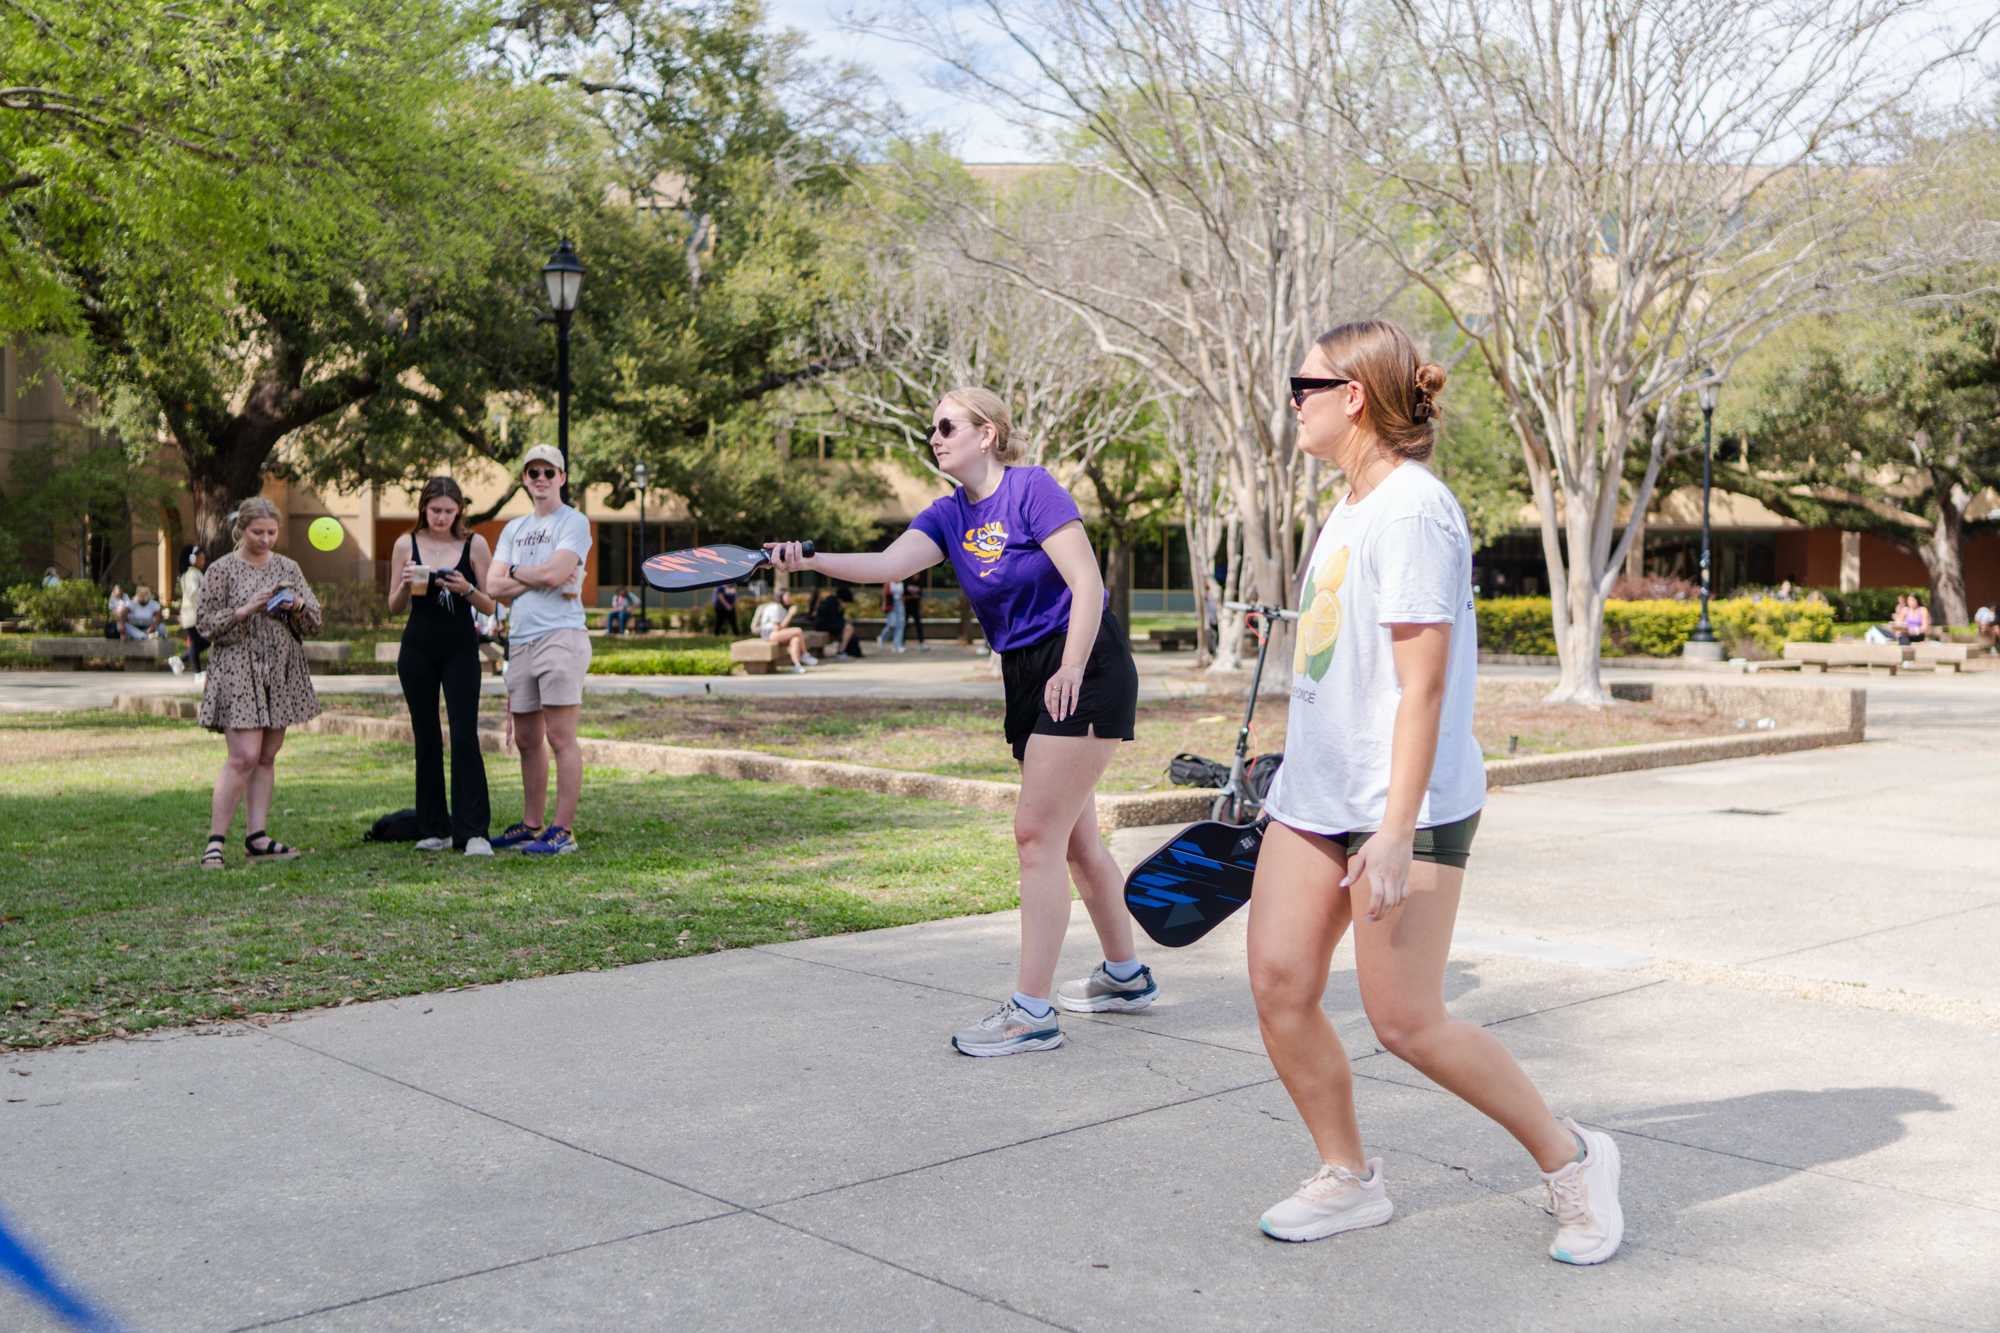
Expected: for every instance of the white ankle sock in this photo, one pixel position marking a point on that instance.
(1033, 1006)
(1122, 971)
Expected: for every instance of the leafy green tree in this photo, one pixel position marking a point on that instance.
(1888, 425)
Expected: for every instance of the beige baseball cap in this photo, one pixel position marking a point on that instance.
(543, 453)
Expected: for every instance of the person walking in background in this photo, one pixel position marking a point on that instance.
(145, 618)
(725, 611)
(538, 569)
(256, 609)
(193, 561)
(893, 615)
(913, 611)
(440, 568)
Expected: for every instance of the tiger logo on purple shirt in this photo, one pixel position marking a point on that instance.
(986, 544)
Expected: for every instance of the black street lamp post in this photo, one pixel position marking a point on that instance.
(639, 483)
(563, 276)
(1702, 643)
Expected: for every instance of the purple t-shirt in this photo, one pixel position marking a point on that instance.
(995, 545)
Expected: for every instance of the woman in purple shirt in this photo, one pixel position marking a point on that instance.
(1018, 545)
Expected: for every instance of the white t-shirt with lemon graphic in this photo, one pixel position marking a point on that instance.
(1401, 555)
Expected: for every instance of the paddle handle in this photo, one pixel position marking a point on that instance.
(805, 549)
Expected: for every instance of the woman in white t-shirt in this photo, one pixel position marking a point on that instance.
(1374, 811)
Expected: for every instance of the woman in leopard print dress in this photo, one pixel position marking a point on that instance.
(256, 608)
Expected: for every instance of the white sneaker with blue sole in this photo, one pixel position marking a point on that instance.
(1101, 993)
(1009, 1030)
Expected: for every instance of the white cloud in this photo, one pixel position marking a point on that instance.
(913, 80)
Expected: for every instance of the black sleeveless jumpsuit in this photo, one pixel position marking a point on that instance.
(441, 649)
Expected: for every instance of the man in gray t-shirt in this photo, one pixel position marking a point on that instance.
(538, 570)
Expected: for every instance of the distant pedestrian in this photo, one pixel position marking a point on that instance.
(256, 609)
(913, 611)
(894, 619)
(1988, 625)
(620, 617)
(773, 621)
(724, 607)
(51, 579)
(116, 605)
(193, 561)
(1916, 622)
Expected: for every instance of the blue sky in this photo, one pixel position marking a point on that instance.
(982, 135)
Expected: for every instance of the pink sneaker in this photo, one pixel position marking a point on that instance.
(1584, 1197)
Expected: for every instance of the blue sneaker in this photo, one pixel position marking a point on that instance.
(515, 836)
(555, 841)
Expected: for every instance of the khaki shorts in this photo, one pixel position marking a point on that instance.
(549, 672)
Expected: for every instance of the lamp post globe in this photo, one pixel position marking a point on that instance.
(1702, 645)
(639, 484)
(562, 278)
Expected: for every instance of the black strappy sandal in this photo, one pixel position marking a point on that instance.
(211, 857)
(273, 850)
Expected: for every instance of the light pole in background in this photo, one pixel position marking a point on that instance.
(1701, 644)
(563, 276)
(639, 484)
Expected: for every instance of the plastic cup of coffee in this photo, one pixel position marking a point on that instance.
(420, 582)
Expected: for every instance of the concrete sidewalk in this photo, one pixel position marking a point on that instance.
(1769, 977)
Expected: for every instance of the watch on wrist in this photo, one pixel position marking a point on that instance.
(510, 573)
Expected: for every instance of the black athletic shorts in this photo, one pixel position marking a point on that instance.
(1104, 706)
(1446, 844)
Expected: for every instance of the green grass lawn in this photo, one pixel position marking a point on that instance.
(107, 924)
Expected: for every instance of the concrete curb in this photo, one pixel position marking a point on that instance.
(1807, 718)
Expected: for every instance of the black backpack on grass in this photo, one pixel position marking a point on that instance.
(399, 827)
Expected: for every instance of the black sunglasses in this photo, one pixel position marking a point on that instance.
(539, 473)
(1303, 385)
(943, 428)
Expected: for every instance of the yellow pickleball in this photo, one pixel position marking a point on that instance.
(325, 533)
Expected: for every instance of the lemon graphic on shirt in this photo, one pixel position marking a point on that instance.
(1319, 626)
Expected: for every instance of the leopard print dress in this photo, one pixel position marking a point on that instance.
(257, 670)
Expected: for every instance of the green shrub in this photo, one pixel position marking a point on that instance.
(352, 604)
(1747, 627)
(52, 609)
(1762, 627)
(1654, 628)
(663, 662)
(1516, 625)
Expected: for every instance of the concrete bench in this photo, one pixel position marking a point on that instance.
(759, 657)
(489, 653)
(1171, 640)
(1828, 655)
(1940, 656)
(328, 650)
(132, 654)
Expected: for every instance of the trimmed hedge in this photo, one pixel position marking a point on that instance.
(52, 610)
(1526, 625)
(663, 662)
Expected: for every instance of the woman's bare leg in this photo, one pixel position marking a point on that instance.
(238, 767)
(1298, 912)
(1101, 886)
(1400, 963)
(1058, 775)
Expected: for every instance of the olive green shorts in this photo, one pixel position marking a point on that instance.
(1447, 844)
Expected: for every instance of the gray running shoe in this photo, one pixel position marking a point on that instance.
(1100, 992)
(1009, 1030)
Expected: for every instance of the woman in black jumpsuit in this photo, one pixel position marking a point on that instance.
(440, 569)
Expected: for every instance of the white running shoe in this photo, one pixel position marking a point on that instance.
(175, 665)
(1009, 1030)
(1100, 992)
(1584, 1198)
(478, 847)
(1329, 1202)
(810, 660)
(201, 678)
(799, 668)
(433, 844)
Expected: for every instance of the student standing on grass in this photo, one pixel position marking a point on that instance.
(192, 565)
(538, 570)
(256, 608)
(1017, 542)
(1373, 814)
(439, 570)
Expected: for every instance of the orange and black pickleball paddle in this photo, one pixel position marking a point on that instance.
(706, 566)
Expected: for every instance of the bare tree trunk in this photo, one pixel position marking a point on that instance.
(1943, 554)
